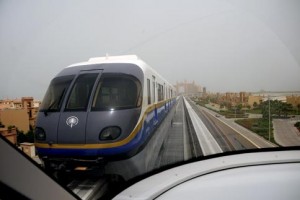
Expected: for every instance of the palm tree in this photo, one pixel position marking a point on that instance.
(286, 107)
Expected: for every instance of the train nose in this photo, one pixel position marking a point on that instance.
(72, 128)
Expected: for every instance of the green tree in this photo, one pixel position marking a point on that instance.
(228, 105)
(265, 108)
(297, 124)
(213, 100)
(255, 104)
(277, 108)
(222, 105)
(286, 108)
(25, 137)
(30, 136)
(239, 107)
(21, 137)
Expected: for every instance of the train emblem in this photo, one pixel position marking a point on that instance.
(72, 121)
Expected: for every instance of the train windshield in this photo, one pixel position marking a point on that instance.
(78, 99)
(117, 92)
(55, 93)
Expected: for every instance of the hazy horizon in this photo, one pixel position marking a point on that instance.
(225, 46)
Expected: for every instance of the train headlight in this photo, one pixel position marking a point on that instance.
(110, 133)
(39, 134)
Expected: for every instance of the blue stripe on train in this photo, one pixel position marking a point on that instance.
(142, 136)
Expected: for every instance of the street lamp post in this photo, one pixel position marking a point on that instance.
(235, 112)
(269, 118)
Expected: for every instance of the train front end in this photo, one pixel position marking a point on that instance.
(91, 112)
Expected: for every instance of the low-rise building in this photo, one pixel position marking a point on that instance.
(32, 107)
(15, 117)
(252, 100)
(294, 100)
(234, 99)
(275, 98)
(15, 109)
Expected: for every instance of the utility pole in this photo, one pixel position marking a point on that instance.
(269, 118)
(235, 112)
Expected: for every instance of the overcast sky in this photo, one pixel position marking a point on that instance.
(233, 45)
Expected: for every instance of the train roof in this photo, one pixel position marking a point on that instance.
(109, 59)
(134, 59)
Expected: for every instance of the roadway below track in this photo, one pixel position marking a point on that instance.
(196, 131)
(228, 138)
(230, 135)
(285, 133)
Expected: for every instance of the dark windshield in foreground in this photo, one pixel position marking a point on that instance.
(55, 93)
(230, 67)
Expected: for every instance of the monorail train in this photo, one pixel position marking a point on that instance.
(107, 107)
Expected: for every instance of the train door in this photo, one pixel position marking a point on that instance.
(72, 122)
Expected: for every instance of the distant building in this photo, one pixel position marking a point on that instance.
(188, 88)
(32, 108)
(232, 98)
(10, 104)
(21, 113)
(204, 91)
(15, 117)
(254, 99)
(294, 100)
(243, 97)
(273, 98)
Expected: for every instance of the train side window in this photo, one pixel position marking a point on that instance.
(160, 92)
(148, 91)
(116, 92)
(164, 91)
(81, 91)
(153, 88)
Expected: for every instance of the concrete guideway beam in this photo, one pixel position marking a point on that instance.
(207, 142)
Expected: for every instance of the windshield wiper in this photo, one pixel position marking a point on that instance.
(49, 108)
(54, 103)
